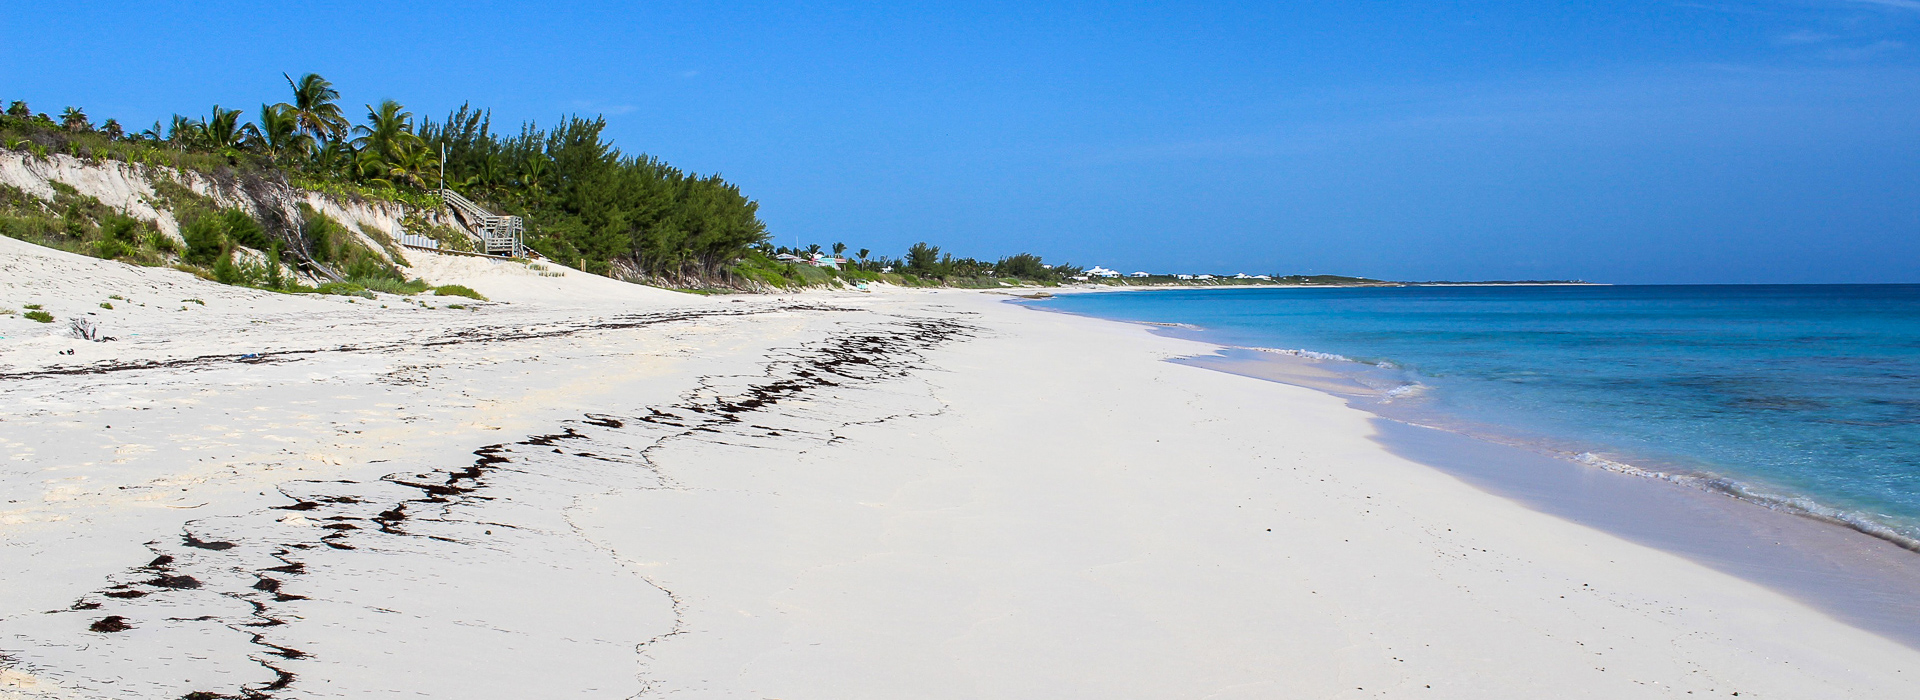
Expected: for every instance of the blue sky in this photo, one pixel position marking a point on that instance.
(1633, 142)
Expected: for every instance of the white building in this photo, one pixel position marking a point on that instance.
(1099, 271)
(1140, 274)
(1183, 277)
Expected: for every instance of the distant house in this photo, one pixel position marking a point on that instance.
(1263, 277)
(1081, 278)
(1183, 277)
(789, 258)
(1243, 276)
(1203, 277)
(1099, 271)
(1140, 274)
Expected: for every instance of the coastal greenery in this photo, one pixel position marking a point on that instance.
(587, 204)
(455, 290)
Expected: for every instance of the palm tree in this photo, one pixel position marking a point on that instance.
(387, 126)
(278, 132)
(75, 120)
(839, 248)
(222, 131)
(532, 171)
(334, 158)
(489, 174)
(411, 161)
(184, 132)
(112, 129)
(863, 253)
(313, 107)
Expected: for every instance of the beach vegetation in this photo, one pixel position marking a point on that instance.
(390, 285)
(38, 315)
(455, 290)
(586, 203)
(345, 289)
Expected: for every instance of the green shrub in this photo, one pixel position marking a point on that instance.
(392, 286)
(205, 240)
(225, 272)
(160, 242)
(345, 289)
(124, 229)
(274, 280)
(40, 316)
(320, 232)
(454, 290)
(242, 229)
(109, 249)
(367, 267)
(33, 307)
(106, 305)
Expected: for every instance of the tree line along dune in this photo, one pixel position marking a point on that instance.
(260, 202)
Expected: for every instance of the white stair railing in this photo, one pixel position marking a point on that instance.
(499, 235)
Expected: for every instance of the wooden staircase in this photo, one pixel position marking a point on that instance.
(498, 235)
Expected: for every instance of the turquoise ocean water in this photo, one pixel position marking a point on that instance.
(1800, 397)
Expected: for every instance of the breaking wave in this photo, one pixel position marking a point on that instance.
(1797, 505)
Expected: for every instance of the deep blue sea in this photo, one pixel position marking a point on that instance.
(1804, 397)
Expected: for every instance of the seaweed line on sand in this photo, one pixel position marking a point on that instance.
(216, 556)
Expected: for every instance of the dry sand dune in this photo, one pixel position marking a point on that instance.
(591, 489)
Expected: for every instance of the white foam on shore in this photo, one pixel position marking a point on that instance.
(1800, 505)
(1309, 354)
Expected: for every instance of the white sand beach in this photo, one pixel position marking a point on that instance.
(584, 488)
